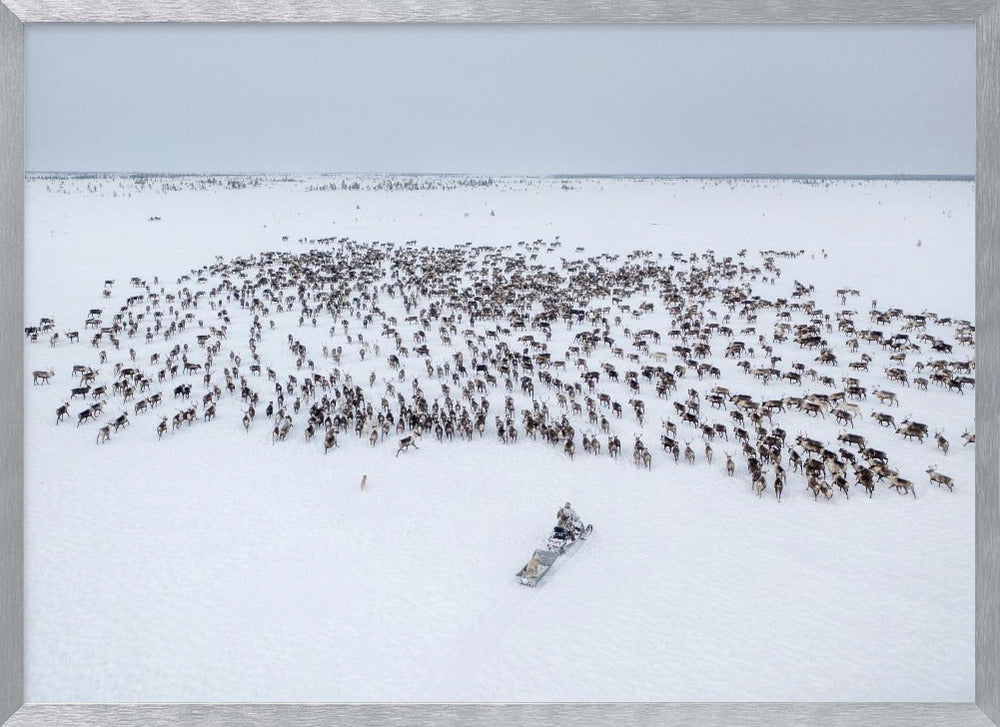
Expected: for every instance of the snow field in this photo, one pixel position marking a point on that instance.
(216, 566)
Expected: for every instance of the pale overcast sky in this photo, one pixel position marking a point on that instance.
(501, 99)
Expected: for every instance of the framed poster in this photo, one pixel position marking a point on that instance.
(383, 385)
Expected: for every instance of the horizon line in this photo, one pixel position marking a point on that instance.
(550, 175)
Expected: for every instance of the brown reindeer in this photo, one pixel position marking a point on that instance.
(759, 485)
(939, 479)
(902, 486)
(406, 442)
(942, 443)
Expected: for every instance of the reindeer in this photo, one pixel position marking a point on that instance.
(409, 441)
(942, 443)
(647, 459)
(641, 455)
(809, 445)
(911, 430)
(595, 445)
(104, 434)
(884, 420)
(969, 438)
(843, 416)
(855, 439)
(639, 408)
(759, 485)
(161, 428)
(351, 406)
(884, 396)
(901, 485)
(813, 409)
(62, 411)
(841, 482)
(688, 453)
(43, 376)
(940, 479)
(281, 430)
(863, 477)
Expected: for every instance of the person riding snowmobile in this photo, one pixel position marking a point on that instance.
(567, 519)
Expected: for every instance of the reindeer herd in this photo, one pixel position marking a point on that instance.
(403, 342)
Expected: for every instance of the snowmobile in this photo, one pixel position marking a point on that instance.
(565, 538)
(560, 541)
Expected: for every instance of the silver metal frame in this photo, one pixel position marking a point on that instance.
(985, 13)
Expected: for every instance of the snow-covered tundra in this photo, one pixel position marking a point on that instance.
(290, 439)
